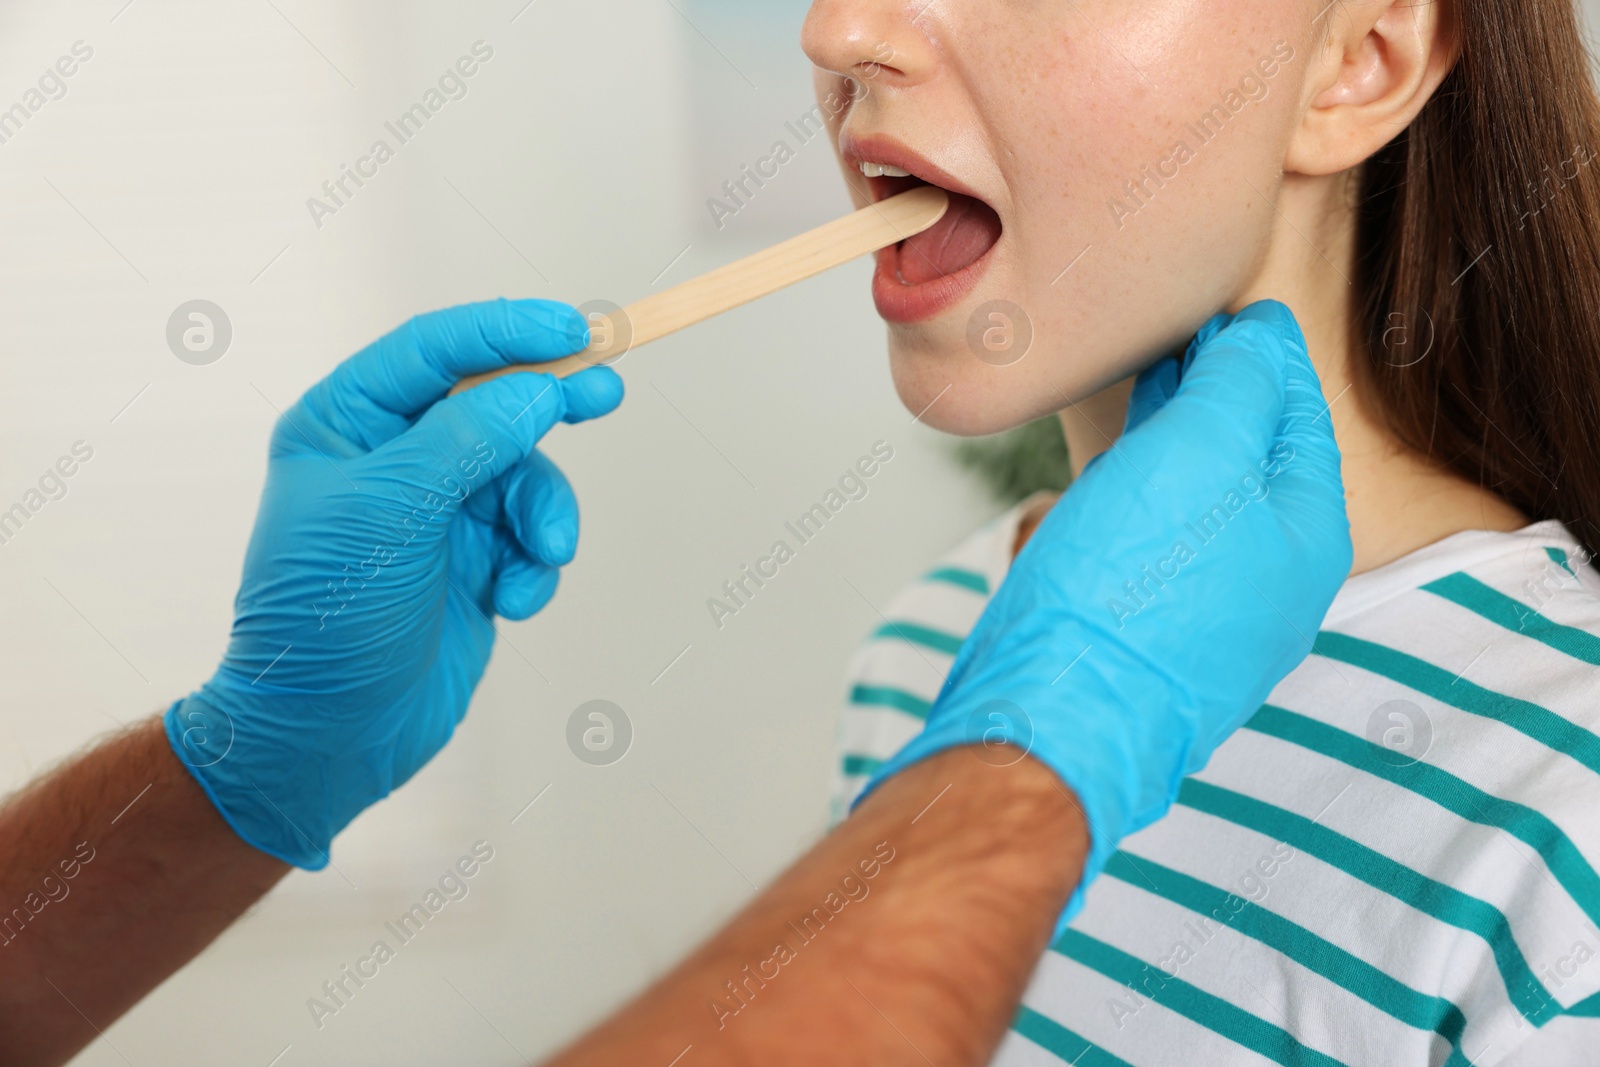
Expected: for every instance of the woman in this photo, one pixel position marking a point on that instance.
(1395, 861)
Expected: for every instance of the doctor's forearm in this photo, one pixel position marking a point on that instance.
(904, 937)
(115, 870)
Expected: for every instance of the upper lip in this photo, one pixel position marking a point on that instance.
(881, 148)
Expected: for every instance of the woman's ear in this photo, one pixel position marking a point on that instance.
(1380, 63)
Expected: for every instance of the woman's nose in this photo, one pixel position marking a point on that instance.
(883, 41)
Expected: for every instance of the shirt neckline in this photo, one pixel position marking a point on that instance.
(1365, 591)
(1459, 551)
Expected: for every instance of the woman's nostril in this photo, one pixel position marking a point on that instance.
(863, 40)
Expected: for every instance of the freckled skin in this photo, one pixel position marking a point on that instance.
(1046, 110)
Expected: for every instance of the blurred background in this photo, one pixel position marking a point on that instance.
(176, 164)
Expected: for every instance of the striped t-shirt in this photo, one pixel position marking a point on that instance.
(1392, 863)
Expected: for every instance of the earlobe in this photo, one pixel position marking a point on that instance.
(1381, 63)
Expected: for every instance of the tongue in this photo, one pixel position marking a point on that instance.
(968, 230)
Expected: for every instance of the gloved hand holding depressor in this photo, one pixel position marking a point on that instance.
(1177, 581)
(394, 524)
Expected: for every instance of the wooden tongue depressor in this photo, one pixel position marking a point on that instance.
(873, 227)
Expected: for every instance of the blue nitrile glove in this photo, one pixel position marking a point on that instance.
(393, 526)
(1176, 582)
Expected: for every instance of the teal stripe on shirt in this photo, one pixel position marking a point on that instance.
(1560, 558)
(914, 634)
(1063, 1043)
(1212, 1012)
(1539, 723)
(1445, 903)
(960, 576)
(887, 696)
(1316, 954)
(1514, 615)
(855, 765)
(1561, 856)
(1587, 1008)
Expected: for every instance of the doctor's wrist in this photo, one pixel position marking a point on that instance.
(241, 772)
(1015, 825)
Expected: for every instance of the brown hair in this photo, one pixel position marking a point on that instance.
(1478, 258)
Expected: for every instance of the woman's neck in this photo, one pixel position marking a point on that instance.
(1398, 501)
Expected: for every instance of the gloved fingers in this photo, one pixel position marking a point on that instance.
(1276, 315)
(375, 395)
(541, 510)
(1307, 459)
(522, 585)
(1155, 386)
(1213, 326)
(1231, 392)
(1307, 414)
(466, 441)
(1303, 436)
(533, 505)
(592, 393)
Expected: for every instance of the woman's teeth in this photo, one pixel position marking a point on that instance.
(883, 170)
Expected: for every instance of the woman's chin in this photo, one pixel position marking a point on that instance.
(954, 393)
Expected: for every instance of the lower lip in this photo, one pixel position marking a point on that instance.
(907, 304)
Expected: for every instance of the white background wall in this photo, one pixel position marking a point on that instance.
(578, 166)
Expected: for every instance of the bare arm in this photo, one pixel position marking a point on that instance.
(908, 933)
(115, 870)
(922, 960)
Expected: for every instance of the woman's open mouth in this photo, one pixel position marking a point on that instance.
(923, 275)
